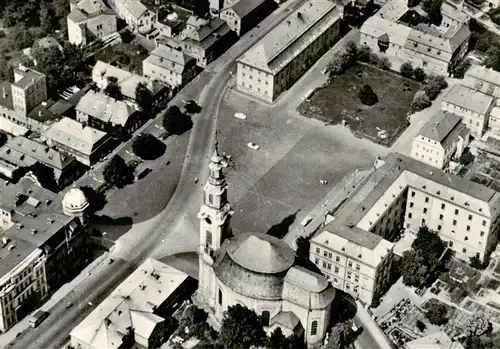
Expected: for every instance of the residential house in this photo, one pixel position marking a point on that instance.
(244, 15)
(206, 40)
(136, 309)
(85, 143)
(281, 57)
(137, 16)
(102, 112)
(90, 20)
(485, 80)
(19, 153)
(473, 106)
(170, 66)
(435, 49)
(442, 138)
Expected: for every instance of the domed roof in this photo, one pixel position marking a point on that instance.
(254, 265)
(75, 199)
(261, 253)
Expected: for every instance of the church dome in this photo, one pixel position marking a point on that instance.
(255, 265)
(74, 201)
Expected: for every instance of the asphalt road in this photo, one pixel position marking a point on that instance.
(54, 331)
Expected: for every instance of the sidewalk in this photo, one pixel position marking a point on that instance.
(330, 202)
(21, 326)
(370, 326)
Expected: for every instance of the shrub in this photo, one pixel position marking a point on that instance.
(374, 59)
(367, 96)
(431, 90)
(384, 63)
(175, 121)
(148, 147)
(364, 53)
(467, 158)
(419, 74)
(420, 102)
(406, 70)
(339, 64)
(475, 262)
(413, 3)
(437, 314)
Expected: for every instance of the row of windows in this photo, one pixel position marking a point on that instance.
(443, 206)
(329, 255)
(336, 269)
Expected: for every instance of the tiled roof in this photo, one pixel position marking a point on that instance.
(75, 135)
(470, 99)
(169, 58)
(289, 37)
(134, 7)
(482, 73)
(244, 7)
(23, 76)
(105, 108)
(440, 126)
(131, 304)
(14, 197)
(288, 319)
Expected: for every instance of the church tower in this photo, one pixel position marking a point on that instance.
(214, 218)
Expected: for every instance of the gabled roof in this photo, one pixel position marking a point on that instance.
(131, 304)
(134, 7)
(75, 135)
(287, 319)
(105, 108)
(300, 28)
(244, 7)
(484, 74)
(169, 58)
(440, 126)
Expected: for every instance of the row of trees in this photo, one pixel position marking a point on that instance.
(429, 92)
(46, 14)
(408, 71)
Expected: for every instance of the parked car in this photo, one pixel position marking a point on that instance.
(240, 116)
(69, 305)
(306, 220)
(253, 146)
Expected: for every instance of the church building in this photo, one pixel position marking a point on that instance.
(255, 270)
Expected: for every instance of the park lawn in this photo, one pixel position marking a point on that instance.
(339, 100)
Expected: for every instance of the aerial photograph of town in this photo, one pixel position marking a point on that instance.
(249, 174)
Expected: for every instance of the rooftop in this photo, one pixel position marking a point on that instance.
(42, 112)
(470, 99)
(75, 135)
(244, 7)
(61, 107)
(23, 77)
(25, 197)
(440, 126)
(131, 304)
(169, 58)
(102, 107)
(485, 74)
(287, 39)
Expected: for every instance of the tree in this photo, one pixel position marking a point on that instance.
(46, 18)
(113, 89)
(192, 107)
(383, 63)
(352, 50)
(413, 3)
(413, 268)
(241, 328)
(143, 96)
(277, 340)
(419, 74)
(148, 147)
(341, 336)
(364, 52)
(303, 245)
(339, 64)
(467, 158)
(439, 81)
(475, 262)
(420, 102)
(175, 121)
(117, 172)
(429, 243)
(437, 314)
(96, 200)
(20, 37)
(406, 70)
(367, 96)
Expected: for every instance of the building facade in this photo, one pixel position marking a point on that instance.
(472, 106)
(244, 15)
(170, 66)
(442, 138)
(482, 79)
(28, 90)
(287, 296)
(89, 21)
(434, 49)
(137, 16)
(276, 61)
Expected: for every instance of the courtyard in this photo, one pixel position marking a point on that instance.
(338, 102)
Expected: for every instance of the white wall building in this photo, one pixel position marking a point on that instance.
(256, 270)
(277, 60)
(137, 16)
(442, 138)
(90, 20)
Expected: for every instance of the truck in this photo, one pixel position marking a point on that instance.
(38, 317)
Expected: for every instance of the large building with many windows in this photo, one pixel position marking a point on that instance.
(280, 58)
(403, 194)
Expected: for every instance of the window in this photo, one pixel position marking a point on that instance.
(464, 250)
(484, 223)
(425, 210)
(358, 267)
(454, 222)
(470, 217)
(337, 259)
(329, 266)
(450, 243)
(456, 211)
(349, 275)
(441, 217)
(316, 260)
(468, 228)
(336, 270)
(466, 238)
(443, 206)
(426, 199)
(318, 250)
(314, 328)
(324, 264)
(265, 318)
(349, 264)
(409, 215)
(482, 234)
(412, 194)
(208, 238)
(329, 255)
(210, 199)
(411, 204)
(356, 278)
(220, 297)
(325, 253)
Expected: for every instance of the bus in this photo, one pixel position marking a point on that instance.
(38, 317)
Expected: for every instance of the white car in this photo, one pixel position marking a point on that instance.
(240, 116)
(253, 146)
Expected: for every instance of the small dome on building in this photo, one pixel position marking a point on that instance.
(74, 201)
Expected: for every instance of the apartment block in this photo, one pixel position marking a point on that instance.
(281, 57)
(472, 106)
(28, 90)
(442, 138)
(404, 194)
(244, 15)
(482, 79)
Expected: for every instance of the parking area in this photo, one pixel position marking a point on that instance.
(282, 180)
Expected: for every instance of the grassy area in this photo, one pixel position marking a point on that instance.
(339, 101)
(493, 284)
